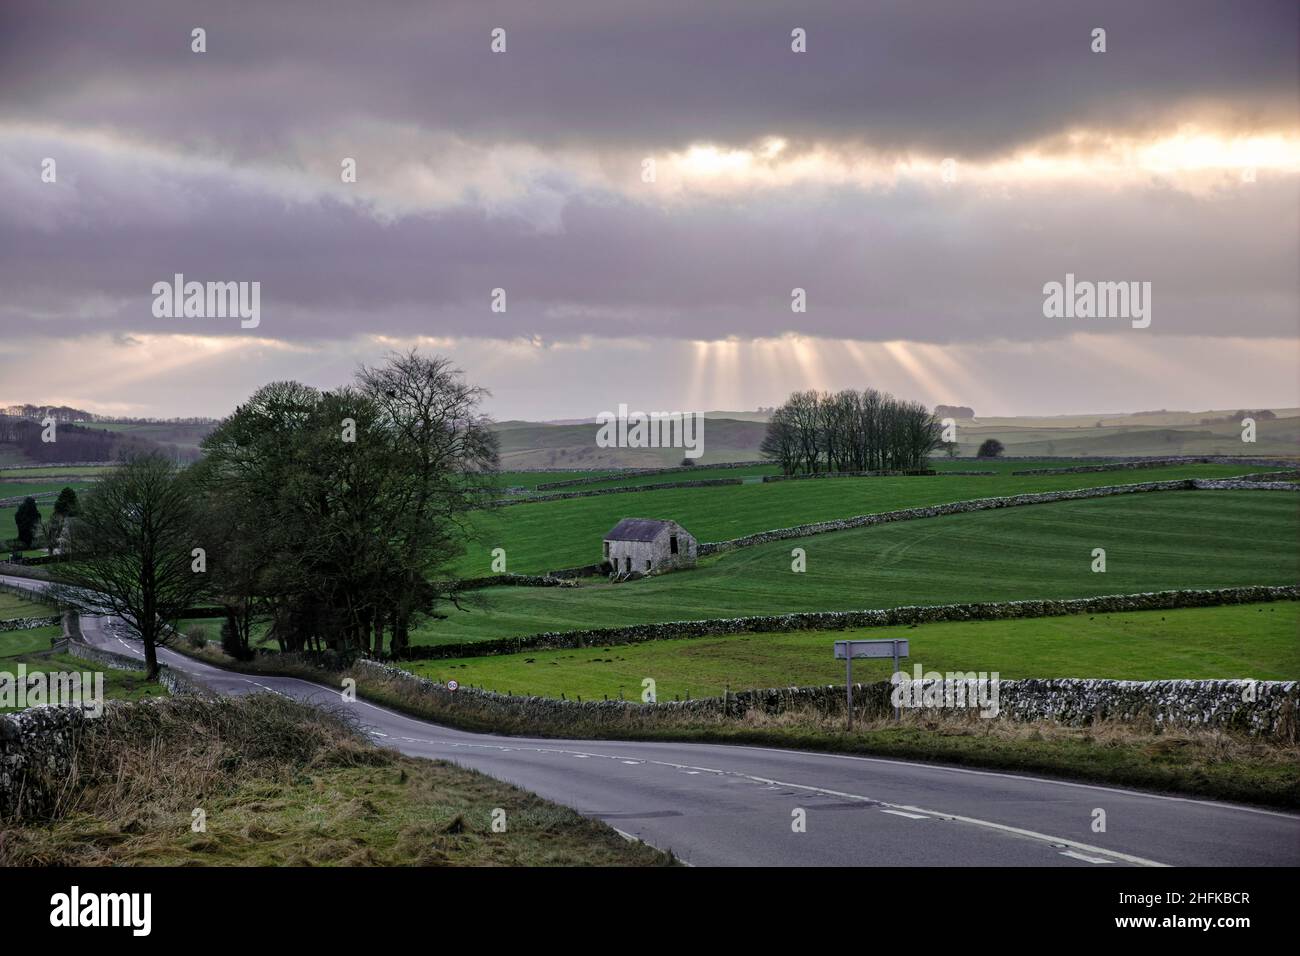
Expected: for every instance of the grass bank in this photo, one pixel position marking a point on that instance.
(280, 783)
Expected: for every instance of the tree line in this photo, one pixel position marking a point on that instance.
(816, 432)
(325, 516)
(79, 443)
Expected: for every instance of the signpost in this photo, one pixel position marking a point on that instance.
(847, 650)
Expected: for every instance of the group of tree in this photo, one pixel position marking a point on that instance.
(848, 431)
(1262, 415)
(328, 516)
(953, 411)
(61, 442)
(27, 518)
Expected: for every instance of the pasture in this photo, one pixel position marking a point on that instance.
(1249, 641)
(1156, 541)
(546, 535)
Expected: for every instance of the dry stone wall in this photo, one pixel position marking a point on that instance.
(564, 495)
(839, 620)
(1264, 708)
(1157, 463)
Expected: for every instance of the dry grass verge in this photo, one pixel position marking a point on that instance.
(281, 783)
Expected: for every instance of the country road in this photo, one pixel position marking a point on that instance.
(719, 805)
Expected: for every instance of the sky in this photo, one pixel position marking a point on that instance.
(648, 183)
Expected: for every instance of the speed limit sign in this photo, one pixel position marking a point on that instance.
(452, 685)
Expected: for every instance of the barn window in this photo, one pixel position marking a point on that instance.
(647, 564)
(627, 564)
(672, 544)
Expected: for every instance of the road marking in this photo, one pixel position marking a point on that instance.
(1018, 776)
(974, 821)
(910, 816)
(264, 687)
(1086, 859)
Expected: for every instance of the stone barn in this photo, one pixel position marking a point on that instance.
(648, 544)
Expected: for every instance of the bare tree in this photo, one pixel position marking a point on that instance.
(135, 550)
(850, 431)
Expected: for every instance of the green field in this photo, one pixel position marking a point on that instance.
(13, 606)
(16, 644)
(558, 534)
(531, 479)
(1256, 641)
(20, 489)
(1153, 542)
(56, 471)
(118, 684)
(700, 473)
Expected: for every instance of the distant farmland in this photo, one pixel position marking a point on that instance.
(558, 534)
(1158, 541)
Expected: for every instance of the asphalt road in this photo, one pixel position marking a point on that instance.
(718, 805)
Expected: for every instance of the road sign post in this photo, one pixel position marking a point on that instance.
(889, 647)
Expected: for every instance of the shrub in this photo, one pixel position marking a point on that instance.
(196, 635)
(990, 449)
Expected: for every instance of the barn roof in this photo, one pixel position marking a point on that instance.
(637, 529)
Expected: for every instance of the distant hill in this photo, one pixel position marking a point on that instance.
(1163, 432)
(1147, 433)
(21, 441)
(532, 445)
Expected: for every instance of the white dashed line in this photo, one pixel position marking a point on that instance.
(910, 816)
(1086, 859)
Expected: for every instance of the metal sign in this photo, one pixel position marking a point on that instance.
(894, 647)
(887, 648)
(453, 685)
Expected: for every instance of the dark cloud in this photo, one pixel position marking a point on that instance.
(929, 265)
(960, 265)
(956, 77)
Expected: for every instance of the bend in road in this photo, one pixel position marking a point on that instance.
(718, 804)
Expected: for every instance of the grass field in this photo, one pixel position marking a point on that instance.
(1153, 542)
(20, 489)
(15, 644)
(118, 684)
(531, 479)
(56, 471)
(1248, 641)
(558, 534)
(698, 473)
(14, 606)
